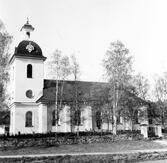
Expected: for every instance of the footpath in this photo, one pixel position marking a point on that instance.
(130, 155)
(87, 154)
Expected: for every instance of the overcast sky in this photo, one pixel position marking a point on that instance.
(86, 28)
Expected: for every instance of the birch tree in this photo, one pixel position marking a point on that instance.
(141, 85)
(75, 70)
(60, 70)
(130, 105)
(160, 94)
(118, 67)
(160, 88)
(65, 71)
(99, 94)
(5, 41)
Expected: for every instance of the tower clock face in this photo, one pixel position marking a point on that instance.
(29, 93)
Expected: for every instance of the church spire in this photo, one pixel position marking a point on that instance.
(27, 28)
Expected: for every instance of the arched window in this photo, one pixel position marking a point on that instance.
(28, 119)
(29, 71)
(77, 117)
(119, 117)
(53, 118)
(136, 117)
(98, 119)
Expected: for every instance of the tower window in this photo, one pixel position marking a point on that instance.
(29, 93)
(29, 71)
(28, 118)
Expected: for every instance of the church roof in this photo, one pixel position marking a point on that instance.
(84, 91)
(98, 92)
(28, 49)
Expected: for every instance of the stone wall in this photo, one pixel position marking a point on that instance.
(52, 141)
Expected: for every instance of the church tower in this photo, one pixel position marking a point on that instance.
(27, 77)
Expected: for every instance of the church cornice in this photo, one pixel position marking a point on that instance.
(26, 57)
(23, 104)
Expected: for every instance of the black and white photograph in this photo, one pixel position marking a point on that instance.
(83, 81)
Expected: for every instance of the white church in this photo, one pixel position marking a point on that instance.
(32, 108)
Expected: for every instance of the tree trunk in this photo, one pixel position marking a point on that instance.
(71, 119)
(78, 130)
(61, 99)
(114, 125)
(108, 125)
(132, 123)
(163, 117)
(115, 108)
(56, 102)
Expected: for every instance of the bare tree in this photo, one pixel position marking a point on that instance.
(130, 105)
(118, 68)
(141, 85)
(75, 69)
(133, 97)
(60, 70)
(5, 41)
(160, 89)
(65, 71)
(160, 93)
(75, 109)
(102, 111)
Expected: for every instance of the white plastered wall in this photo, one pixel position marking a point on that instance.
(22, 83)
(86, 119)
(20, 103)
(2, 129)
(18, 112)
(64, 123)
(42, 117)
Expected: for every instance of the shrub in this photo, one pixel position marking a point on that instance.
(52, 134)
(129, 132)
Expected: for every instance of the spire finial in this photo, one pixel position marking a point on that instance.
(27, 28)
(27, 20)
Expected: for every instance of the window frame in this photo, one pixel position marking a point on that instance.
(55, 121)
(78, 118)
(29, 71)
(29, 119)
(98, 118)
(54, 118)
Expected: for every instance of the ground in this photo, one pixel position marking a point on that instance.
(122, 146)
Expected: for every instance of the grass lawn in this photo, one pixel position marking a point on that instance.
(121, 146)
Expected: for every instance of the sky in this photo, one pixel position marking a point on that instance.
(86, 28)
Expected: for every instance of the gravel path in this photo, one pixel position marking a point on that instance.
(81, 154)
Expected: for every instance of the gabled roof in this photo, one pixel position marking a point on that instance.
(69, 91)
(86, 92)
